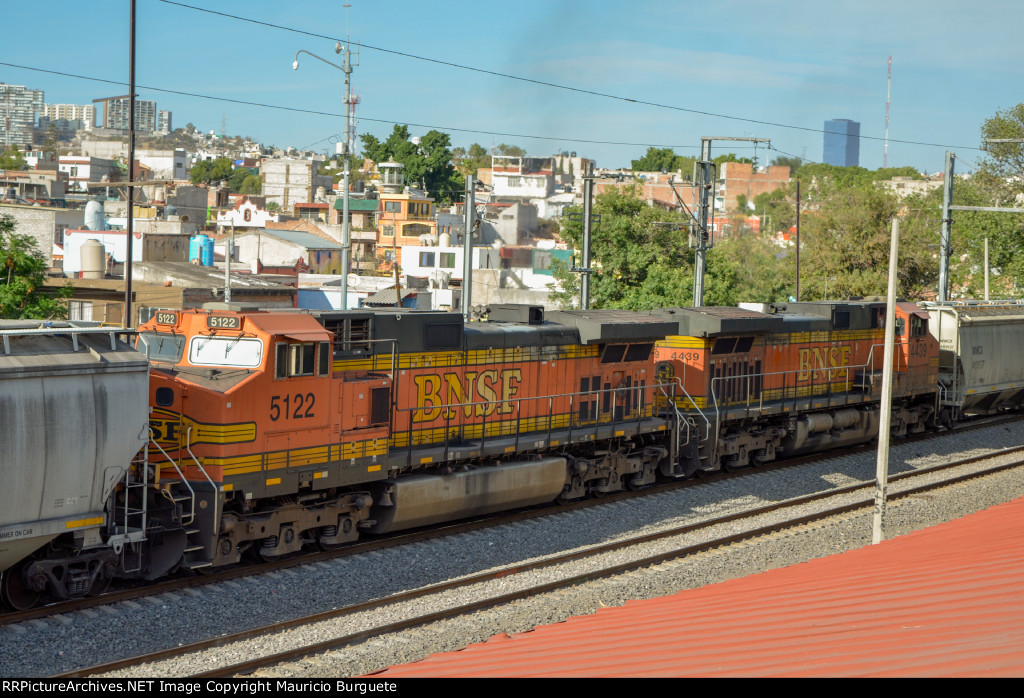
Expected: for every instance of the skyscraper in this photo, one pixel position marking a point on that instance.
(842, 143)
(19, 106)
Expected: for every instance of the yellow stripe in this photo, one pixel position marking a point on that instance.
(273, 481)
(84, 522)
(473, 357)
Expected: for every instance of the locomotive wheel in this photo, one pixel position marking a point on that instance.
(13, 592)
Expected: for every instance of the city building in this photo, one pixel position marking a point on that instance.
(82, 170)
(67, 118)
(290, 181)
(165, 164)
(163, 121)
(736, 178)
(115, 114)
(19, 108)
(523, 178)
(842, 143)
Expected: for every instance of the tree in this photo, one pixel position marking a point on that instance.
(745, 268)
(209, 171)
(22, 276)
(846, 245)
(12, 159)
(1005, 159)
(428, 163)
(640, 255)
(510, 150)
(50, 142)
(468, 162)
(657, 160)
(793, 163)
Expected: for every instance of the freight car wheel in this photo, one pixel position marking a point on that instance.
(14, 593)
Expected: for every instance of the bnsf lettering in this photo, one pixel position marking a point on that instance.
(480, 387)
(165, 432)
(818, 360)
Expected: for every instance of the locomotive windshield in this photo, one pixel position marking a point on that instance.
(241, 352)
(161, 346)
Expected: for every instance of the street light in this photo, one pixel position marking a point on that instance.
(343, 149)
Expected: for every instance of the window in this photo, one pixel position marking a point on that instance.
(241, 352)
(426, 259)
(447, 260)
(161, 346)
(299, 359)
(918, 326)
(388, 231)
(394, 206)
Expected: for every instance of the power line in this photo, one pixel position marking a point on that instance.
(544, 83)
(333, 114)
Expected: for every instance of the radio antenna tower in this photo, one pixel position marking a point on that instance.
(888, 94)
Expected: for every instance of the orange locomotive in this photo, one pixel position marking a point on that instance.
(799, 378)
(277, 429)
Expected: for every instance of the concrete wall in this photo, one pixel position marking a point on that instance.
(287, 182)
(43, 223)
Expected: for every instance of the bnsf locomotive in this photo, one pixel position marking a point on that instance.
(270, 430)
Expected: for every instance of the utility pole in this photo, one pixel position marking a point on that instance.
(345, 146)
(703, 232)
(467, 249)
(128, 319)
(947, 221)
(229, 246)
(588, 203)
(798, 241)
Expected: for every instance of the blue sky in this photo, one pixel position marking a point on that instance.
(768, 70)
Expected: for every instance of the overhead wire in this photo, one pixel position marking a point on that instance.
(336, 115)
(553, 85)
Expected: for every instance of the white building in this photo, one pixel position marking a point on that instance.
(165, 164)
(19, 107)
(441, 265)
(246, 214)
(525, 178)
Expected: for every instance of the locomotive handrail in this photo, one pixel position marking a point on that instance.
(181, 478)
(188, 447)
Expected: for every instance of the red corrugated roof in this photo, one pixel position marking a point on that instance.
(944, 601)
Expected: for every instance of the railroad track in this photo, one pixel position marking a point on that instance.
(791, 513)
(174, 584)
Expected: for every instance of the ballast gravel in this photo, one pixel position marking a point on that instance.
(64, 643)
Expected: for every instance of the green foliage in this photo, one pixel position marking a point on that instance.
(1005, 160)
(746, 268)
(845, 246)
(793, 163)
(428, 164)
(22, 276)
(273, 206)
(821, 179)
(468, 162)
(640, 259)
(50, 143)
(12, 159)
(661, 160)
(512, 150)
(209, 171)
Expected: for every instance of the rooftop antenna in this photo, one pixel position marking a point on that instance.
(888, 93)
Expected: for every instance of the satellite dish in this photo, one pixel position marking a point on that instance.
(353, 280)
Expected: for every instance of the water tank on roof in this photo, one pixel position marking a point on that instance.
(444, 240)
(94, 259)
(94, 219)
(200, 250)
